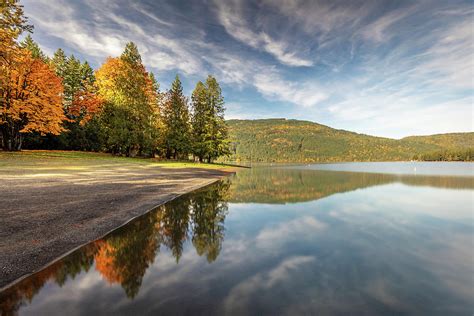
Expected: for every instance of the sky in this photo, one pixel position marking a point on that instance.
(386, 68)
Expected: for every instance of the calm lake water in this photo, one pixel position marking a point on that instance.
(280, 241)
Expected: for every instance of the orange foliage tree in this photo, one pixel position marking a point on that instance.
(30, 100)
(86, 104)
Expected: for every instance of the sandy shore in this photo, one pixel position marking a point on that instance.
(47, 210)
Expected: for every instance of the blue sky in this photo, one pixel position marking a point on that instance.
(385, 68)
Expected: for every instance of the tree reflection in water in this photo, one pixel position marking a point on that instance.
(124, 256)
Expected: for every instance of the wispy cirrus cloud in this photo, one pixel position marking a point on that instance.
(232, 17)
(375, 67)
(306, 94)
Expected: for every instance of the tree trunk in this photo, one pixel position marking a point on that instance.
(12, 138)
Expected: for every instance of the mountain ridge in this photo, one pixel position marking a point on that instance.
(291, 140)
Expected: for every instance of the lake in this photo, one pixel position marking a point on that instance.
(364, 239)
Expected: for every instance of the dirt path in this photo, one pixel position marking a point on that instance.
(47, 209)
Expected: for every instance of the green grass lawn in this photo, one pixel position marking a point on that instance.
(56, 159)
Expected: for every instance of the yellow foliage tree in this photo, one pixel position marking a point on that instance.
(30, 100)
(130, 117)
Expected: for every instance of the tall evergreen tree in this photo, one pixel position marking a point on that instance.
(36, 52)
(131, 54)
(176, 122)
(72, 80)
(59, 62)
(87, 74)
(209, 130)
(219, 144)
(200, 122)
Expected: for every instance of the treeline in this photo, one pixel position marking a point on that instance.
(60, 102)
(447, 155)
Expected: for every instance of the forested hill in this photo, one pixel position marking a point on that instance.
(282, 140)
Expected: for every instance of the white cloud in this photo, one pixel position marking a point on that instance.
(107, 34)
(300, 228)
(281, 51)
(379, 30)
(232, 18)
(238, 299)
(450, 60)
(364, 69)
(271, 85)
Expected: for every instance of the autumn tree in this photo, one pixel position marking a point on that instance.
(81, 104)
(12, 24)
(130, 117)
(30, 92)
(31, 100)
(77, 77)
(125, 256)
(176, 122)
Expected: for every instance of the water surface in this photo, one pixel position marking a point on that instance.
(278, 241)
(401, 167)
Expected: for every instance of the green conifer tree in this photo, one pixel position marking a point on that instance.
(200, 122)
(219, 144)
(176, 122)
(36, 52)
(59, 62)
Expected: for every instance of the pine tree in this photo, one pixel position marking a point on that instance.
(201, 131)
(219, 144)
(59, 62)
(72, 80)
(131, 54)
(176, 122)
(36, 52)
(87, 74)
(209, 131)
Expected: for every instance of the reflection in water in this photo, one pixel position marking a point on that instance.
(385, 244)
(124, 256)
(281, 185)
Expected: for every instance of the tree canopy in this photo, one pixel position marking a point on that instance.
(60, 102)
